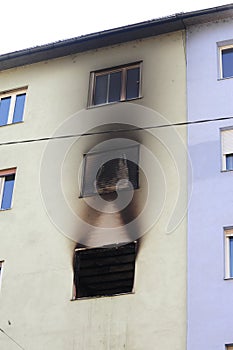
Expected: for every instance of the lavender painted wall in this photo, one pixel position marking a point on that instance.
(210, 297)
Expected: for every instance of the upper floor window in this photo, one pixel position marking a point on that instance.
(226, 58)
(229, 347)
(115, 84)
(7, 180)
(227, 149)
(12, 106)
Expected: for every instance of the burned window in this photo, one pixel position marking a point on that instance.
(107, 172)
(104, 271)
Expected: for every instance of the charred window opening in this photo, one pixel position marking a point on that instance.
(104, 271)
(107, 172)
(116, 170)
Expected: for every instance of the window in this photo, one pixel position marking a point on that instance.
(104, 271)
(7, 179)
(227, 149)
(1, 265)
(115, 85)
(12, 107)
(229, 347)
(226, 61)
(229, 253)
(109, 171)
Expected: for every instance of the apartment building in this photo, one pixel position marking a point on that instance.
(95, 168)
(92, 254)
(210, 109)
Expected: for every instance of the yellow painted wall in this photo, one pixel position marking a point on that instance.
(35, 300)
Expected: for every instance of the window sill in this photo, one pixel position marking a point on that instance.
(115, 193)
(228, 278)
(103, 296)
(22, 121)
(115, 102)
(225, 78)
(5, 209)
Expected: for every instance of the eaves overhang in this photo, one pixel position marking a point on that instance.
(114, 36)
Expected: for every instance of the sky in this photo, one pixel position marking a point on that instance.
(27, 23)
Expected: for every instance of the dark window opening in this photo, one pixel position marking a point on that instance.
(110, 171)
(116, 170)
(104, 271)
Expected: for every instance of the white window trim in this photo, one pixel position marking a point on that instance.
(122, 69)
(221, 49)
(12, 94)
(1, 271)
(228, 232)
(3, 174)
(224, 151)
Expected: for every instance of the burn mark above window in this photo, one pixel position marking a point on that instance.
(104, 271)
(115, 84)
(108, 172)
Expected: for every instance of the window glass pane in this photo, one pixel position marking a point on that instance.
(115, 87)
(101, 85)
(4, 110)
(8, 191)
(227, 63)
(19, 108)
(231, 256)
(132, 86)
(229, 161)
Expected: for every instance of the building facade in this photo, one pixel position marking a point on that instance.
(59, 112)
(115, 188)
(209, 101)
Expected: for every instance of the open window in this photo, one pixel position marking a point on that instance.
(104, 271)
(109, 171)
(115, 84)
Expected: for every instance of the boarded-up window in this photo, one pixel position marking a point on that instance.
(104, 271)
(107, 172)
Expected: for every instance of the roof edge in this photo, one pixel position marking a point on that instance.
(96, 40)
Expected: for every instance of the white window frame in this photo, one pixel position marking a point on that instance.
(12, 94)
(3, 174)
(221, 49)
(1, 270)
(122, 69)
(228, 233)
(226, 146)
